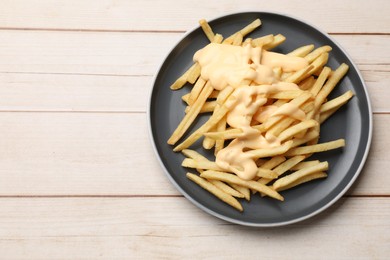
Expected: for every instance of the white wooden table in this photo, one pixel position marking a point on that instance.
(78, 176)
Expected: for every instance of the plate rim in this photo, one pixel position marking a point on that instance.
(273, 224)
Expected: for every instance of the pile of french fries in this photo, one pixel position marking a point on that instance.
(279, 168)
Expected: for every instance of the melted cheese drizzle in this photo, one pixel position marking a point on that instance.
(227, 65)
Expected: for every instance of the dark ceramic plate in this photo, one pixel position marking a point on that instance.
(353, 122)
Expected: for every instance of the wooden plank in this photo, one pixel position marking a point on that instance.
(111, 154)
(60, 92)
(97, 93)
(173, 228)
(118, 53)
(341, 16)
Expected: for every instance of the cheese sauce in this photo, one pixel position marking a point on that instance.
(226, 65)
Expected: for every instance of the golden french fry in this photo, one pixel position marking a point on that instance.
(207, 29)
(204, 165)
(194, 155)
(336, 102)
(219, 144)
(316, 148)
(215, 191)
(304, 164)
(208, 106)
(319, 63)
(307, 83)
(287, 180)
(213, 120)
(194, 73)
(310, 135)
(267, 152)
(230, 178)
(330, 84)
(244, 31)
(273, 162)
(327, 114)
(243, 190)
(301, 51)
(298, 101)
(208, 143)
(284, 167)
(264, 40)
(266, 173)
(293, 130)
(288, 94)
(283, 124)
(182, 80)
(278, 39)
(320, 81)
(317, 52)
(304, 179)
(191, 115)
(196, 90)
(299, 75)
(226, 188)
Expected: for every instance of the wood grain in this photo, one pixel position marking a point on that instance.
(118, 53)
(111, 154)
(78, 175)
(173, 228)
(105, 93)
(332, 15)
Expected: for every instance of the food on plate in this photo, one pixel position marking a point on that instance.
(266, 111)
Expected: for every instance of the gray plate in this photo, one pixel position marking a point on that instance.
(353, 122)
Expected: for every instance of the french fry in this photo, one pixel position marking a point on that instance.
(207, 29)
(264, 40)
(288, 94)
(336, 102)
(290, 132)
(195, 91)
(213, 120)
(230, 178)
(244, 31)
(229, 199)
(194, 73)
(307, 178)
(208, 106)
(327, 114)
(301, 51)
(273, 162)
(283, 167)
(266, 173)
(330, 84)
(310, 135)
(221, 126)
(182, 80)
(243, 190)
(317, 52)
(316, 148)
(299, 75)
(226, 188)
(204, 165)
(278, 39)
(287, 180)
(304, 164)
(307, 83)
(194, 155)
(320, 81)
(267, 152)
(191, 115)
